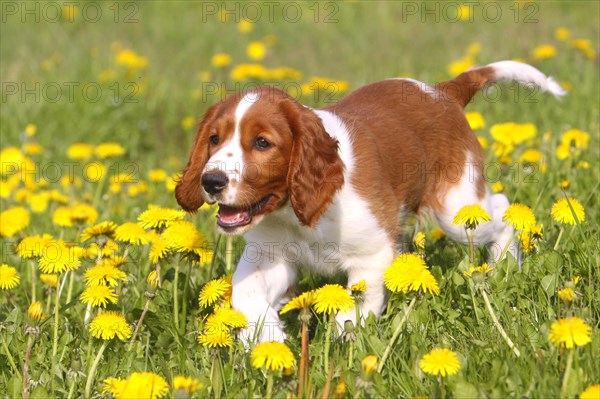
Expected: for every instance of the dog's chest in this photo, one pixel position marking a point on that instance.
(346, 236)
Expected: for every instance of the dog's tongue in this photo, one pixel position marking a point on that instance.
(232, 217)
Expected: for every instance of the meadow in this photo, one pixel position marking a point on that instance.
(108, 289)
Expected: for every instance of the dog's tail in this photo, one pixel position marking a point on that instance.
(464, 86)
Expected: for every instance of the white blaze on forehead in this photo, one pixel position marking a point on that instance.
(229, 159)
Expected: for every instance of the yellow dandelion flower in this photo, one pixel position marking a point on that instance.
(360, 286)
(159, 249)
(157, 218)
(570, 332)
(152, 279)
(440, 362)
(531, 156)
(566, 294)
(98, 296)
(213, 291)
(80, 151)
(33, 246)
(497, 187)
(520, 217)
(216, 336)
(575, 137)
(8, 277)
(108, 325)
(108, 150)
(183, 236)
(58, 257)
(409, 272)
(33, 148)
(483, 269)
(332, 298)
(563, 151)
(104, 274)
(340, 391)
(476, 120)
(302, 301)
(562, 213)
(528, 243)
(106, 228)
(470, 216)
(130, 59)
(187, 384)
(245, 26)
(576, 280)
(585, 46)
(14, 220)
(230, 317)
(220, 60)
(83, 213)
(583, 165)
(158, 175)
(464, 14)
(145, 385)
(544, 52)
(38, 202)
(256, 51)
(420, 241)
(483, 142)
(561, 33)
(62, 216)
(51, 280)
(113, 386)
(459, 66)
(272, 355)
(131, 233)
(30, 130)
(36, 311)
(510, 133)
(369, 364)
(187, 123)
(591, 392)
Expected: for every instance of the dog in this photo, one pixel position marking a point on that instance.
(331, 188)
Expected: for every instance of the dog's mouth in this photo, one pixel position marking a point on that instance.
(229, 217)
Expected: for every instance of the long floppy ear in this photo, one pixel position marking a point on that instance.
(188, 191)
(316, 170)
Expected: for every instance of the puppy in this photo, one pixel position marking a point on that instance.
(331, 188)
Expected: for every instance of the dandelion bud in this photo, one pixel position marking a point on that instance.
(152, 279)
(339, 391)
(420, 241)
(369, 365)
(35, 311)
(49, 279)
(566, 294)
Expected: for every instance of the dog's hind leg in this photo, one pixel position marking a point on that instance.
(496, 234)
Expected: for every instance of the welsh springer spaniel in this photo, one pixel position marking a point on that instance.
(330, 188)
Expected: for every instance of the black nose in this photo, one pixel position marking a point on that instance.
(214, 182)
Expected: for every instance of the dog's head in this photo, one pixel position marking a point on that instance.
(255, 151)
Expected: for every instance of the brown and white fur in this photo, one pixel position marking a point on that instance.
(331, 188)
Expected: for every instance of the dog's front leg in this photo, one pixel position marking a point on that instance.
(260, 283)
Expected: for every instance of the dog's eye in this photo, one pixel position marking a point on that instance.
(214, 139)
(261, 144)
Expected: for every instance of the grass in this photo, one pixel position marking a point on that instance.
(370, 41)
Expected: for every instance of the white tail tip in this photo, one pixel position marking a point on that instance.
(525, 74)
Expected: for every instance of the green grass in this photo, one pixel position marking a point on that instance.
(370, 41)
